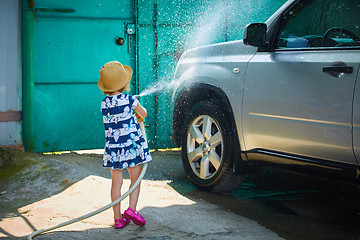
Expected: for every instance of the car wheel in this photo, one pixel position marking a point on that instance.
(207, 148)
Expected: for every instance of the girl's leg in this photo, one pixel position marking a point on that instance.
(131, 212)
(134, 173)
(116, 183)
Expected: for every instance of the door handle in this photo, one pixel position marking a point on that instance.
(338, 69)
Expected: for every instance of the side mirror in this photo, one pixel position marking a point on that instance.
(255, 35)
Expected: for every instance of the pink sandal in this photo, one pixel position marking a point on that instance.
(120, 223)
(134, 216)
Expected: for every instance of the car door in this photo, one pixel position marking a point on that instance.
(356, 118)
(299, 96)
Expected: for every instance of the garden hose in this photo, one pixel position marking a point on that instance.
(143, 171)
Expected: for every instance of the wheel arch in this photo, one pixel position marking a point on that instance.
(195, 93)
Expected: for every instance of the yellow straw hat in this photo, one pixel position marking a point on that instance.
(114, 76)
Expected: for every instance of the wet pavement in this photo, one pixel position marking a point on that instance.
(290, 205)
(305, 207)
(295, 206)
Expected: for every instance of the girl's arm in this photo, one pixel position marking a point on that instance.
(141, 111)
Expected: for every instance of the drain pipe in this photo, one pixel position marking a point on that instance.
(27, 22)
(143, 171)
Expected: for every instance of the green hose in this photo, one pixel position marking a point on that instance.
(143, 171)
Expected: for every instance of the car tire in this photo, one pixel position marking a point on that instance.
(207, 148)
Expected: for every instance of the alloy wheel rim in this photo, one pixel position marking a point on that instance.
(204, 146)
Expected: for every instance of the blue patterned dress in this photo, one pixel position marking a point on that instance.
(125, 146)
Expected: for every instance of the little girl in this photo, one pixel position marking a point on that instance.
(125, 146)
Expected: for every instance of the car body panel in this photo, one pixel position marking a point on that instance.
(301, 110)
(220, 65)
(356, 117)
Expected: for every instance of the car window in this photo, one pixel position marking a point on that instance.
(321, 24)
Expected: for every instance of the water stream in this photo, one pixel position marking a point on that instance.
(157, 87)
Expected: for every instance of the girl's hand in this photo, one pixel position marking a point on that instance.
(141, 111)
(139, 119)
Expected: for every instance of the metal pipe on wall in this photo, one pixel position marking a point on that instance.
(27, 21)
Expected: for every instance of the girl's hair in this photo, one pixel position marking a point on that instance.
(120, 90)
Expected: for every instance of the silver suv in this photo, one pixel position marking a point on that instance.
(288, 94)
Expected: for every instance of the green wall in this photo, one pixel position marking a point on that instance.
(73, 39)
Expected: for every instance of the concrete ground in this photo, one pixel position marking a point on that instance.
(38, 191)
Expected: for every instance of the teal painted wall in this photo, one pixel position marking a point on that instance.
(73, 39)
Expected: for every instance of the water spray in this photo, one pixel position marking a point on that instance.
(157, 87)
(143, 171)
